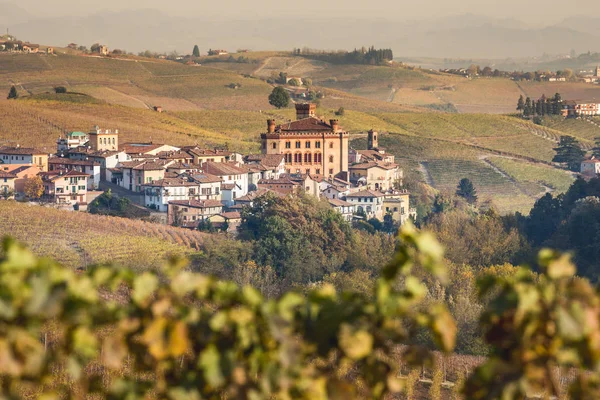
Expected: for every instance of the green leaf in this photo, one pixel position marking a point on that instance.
(143, 287)
(210, 361)
(355, 344)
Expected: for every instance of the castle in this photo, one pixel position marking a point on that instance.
(309, 145)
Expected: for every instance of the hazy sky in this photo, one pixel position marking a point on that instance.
(531, 11)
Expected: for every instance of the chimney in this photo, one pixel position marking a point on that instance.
(334, 124)
(270, 125)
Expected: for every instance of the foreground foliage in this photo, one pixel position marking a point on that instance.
(185, 335)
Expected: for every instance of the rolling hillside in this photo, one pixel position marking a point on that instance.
(80, 239)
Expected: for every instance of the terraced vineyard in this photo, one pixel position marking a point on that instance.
(586, 130)
(79, 239)
(553, 178)
(491, 185)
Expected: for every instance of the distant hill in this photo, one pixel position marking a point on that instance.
(465, 35)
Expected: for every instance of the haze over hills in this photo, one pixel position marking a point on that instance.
(464, 35)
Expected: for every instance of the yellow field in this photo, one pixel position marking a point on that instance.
(80, 239)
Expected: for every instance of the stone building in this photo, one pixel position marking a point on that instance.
(309, 145)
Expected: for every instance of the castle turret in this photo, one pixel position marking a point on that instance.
(372, 139)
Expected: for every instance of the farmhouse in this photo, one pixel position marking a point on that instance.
(368, 202)
(578, 108)
(590, 167)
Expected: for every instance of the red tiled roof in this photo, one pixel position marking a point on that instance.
(197, 203)
(222, 169)
(171, 182)
(20, 151)
(306, 124)
(68, 161)
(365, 193)
(231, 215)
(373, 164)
(7, 175)
(339, 203)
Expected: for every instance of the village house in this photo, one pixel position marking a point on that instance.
(345, 208)
(24, 155)
(234, 180)
(369, 202)
(68, 188)
(201, 156)
(189, 213)
(376, 175)
(134, 174)
(158, 194)
(248, 200)
(146, 149)
(274, 164)
(73, 140)
(226, 221)
(88, 167)
(108, 160)
(397, 205)
(590, 168)
(292, 184)
(309, 145)
(179, 156)
(103, 50)
(22, 173)
(179, 168)
(334, 189)
(7, 185)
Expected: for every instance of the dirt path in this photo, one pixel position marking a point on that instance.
(391, 96)
(262, 66)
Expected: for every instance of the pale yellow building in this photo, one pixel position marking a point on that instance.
(309, 145)
(104, 139)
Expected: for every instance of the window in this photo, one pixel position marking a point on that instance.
(307, 145)
(331, 145)
(274, 145)
(318, 172)
(298, 144)
(318, 158)
(288, 145)
(330, 159)
(317, 145)
(330, 171)
(395, 209)
(81, 187)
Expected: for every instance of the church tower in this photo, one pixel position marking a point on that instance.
(373, 141)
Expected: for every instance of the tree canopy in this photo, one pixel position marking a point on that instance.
(196, 51)
(569, 152)
(467, 191)
(279, 97)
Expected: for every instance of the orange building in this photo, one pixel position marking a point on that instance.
(309, 145)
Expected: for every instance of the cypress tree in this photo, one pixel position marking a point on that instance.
(12, 94)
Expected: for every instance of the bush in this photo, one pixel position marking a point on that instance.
(340, 112)
(60, 90)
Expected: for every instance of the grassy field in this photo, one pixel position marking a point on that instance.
(80, 239)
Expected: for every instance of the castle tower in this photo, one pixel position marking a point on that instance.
(306, 110)
(373, 141)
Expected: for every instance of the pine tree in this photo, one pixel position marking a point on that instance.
(521, 103)
(196, 52)
(467, 191)
(569, 152)
(12, 94)
(527, 110)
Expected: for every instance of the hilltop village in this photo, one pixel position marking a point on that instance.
(187, 185)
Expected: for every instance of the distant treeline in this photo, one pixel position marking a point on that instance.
(543, 106)
(476, 70)
(370, 56)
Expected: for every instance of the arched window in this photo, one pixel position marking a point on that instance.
(330, 159)
(308, 158)
(318, 157)
(288, 158)
(331, 145)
